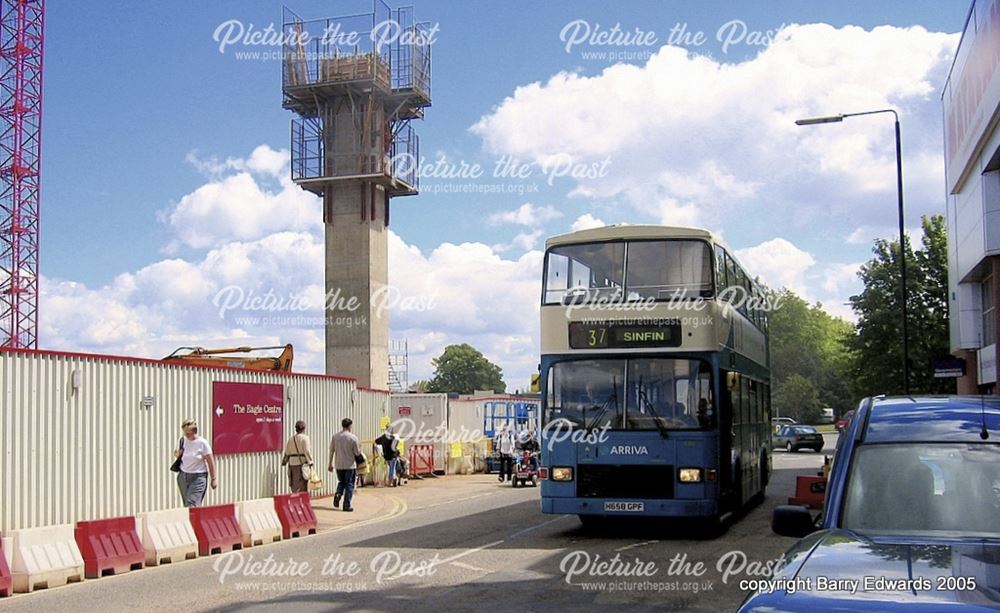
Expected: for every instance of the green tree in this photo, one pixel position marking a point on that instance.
(463, 369)
(797, 397)
(878, 347)
(808, 342)
(419, 386)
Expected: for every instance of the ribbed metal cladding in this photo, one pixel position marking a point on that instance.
(94, 451)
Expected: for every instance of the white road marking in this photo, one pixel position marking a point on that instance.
(634, 545)
(471, 551)
(544, 523)
(448, 560)
(399, 507)
(469, 567)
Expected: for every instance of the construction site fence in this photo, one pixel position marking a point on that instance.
(91, 436)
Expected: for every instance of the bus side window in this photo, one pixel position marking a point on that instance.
(720, 270)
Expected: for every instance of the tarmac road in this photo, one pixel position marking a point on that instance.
(462, 543)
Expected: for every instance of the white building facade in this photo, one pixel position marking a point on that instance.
(971, 105)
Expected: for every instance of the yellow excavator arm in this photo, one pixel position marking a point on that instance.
(215, 357)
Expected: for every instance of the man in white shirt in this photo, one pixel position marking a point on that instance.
(344, 447)
(504, 444)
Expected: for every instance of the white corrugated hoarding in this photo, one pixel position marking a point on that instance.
(422, 419)
(78, 442)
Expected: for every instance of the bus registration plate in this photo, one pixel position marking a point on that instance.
(627, 507)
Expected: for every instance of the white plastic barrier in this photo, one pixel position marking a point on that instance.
(167, 536)
(259, 522)
(44, 557)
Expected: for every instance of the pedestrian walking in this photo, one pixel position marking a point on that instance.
(504, 444)
(298, 457)
(389, 445)
(197, 467)
(345, 449)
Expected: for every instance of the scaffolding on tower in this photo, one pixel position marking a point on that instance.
(21, 42)
(399, 366)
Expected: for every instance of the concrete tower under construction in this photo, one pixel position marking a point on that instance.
(355, 84)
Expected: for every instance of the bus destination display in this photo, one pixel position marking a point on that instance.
(618, 335)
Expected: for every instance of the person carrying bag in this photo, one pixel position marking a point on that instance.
(176, 466)
(298, 458)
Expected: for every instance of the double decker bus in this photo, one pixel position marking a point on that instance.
(655, 375)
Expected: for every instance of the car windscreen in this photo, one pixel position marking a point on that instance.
(924, 488)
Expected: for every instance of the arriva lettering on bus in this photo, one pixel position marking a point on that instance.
(629, 450)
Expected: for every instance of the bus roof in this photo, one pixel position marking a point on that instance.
(627, 231)
(641, 231)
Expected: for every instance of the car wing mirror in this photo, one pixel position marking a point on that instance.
(792, 520)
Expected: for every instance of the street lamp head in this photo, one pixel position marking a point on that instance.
(815, 120)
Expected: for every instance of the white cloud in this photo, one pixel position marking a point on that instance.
(585, 222)
(262, 161)
(238, 206)
(840, 278)
(526, 215)
(779, 264)
(692, 139)
(867, 235)
(455, 293)
(265, 160)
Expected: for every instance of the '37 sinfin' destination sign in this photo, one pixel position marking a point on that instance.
(623, 335)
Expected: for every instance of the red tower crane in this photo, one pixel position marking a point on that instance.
(21, 40)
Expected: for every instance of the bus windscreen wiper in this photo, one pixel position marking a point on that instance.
(656, 416)
(612, 400)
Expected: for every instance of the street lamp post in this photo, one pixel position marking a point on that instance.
(902, 232)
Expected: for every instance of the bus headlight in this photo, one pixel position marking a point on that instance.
(562, 473)
(689, 475)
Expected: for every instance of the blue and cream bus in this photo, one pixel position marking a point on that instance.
(655, 375)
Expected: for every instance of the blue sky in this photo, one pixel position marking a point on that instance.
(134, 93)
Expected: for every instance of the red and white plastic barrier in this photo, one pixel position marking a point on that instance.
(32, 558)
(109, 546)
(217, 529)
(6, 583)
(421, 460)
(296, 514)
(259, 522)
(167, 536)
(44, 557)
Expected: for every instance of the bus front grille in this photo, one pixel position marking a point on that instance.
(624, 481)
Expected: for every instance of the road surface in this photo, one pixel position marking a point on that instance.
(460, 543)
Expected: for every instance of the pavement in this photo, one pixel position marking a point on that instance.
(457, 543)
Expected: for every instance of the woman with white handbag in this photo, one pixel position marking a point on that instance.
(298, 457)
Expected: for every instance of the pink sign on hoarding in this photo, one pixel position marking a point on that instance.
(247, 417)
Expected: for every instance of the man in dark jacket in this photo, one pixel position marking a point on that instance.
(389, 446)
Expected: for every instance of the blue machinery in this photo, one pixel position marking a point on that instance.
(518, 415)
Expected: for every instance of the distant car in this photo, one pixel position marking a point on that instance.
(793, 438)
(777, 422)
(826, 416)
(912, 515)
(844, 421)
